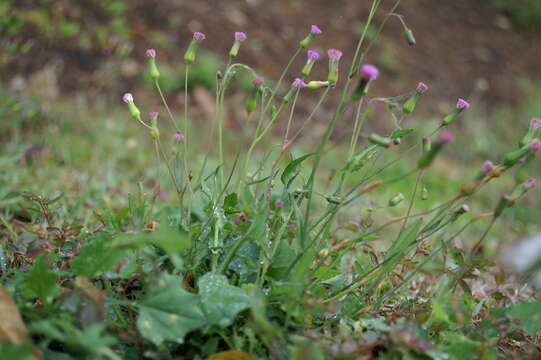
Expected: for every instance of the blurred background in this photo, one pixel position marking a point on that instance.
(65, 64)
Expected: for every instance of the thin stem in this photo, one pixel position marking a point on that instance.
(166, 105)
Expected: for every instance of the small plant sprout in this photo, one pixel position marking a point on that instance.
(313, 56)
(369, 73)
(410, 104)
(152, 68)
(314, 31)
(191, 52)
(461, 105)
(239, 38)
(334, 60)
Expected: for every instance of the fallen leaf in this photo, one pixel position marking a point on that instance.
(11, 327)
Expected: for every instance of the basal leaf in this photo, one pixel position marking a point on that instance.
(96, 257)
(169, 312)
(40, 282)
(221, 301)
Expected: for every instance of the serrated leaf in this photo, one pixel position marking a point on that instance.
(40, 282)
(221, 301)
(169, 312)
(529, 314)
(96, 257)
(292, 166)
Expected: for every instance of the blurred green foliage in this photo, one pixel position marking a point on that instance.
(524, 13)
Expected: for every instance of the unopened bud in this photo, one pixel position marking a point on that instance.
(314, 30)
(397, 199)
(379, 140)
(239, 38)
(191, 52)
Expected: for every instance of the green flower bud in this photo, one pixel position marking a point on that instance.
(397, 199)
(380, 140)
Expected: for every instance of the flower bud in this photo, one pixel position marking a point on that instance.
(397, 199)
(427, 158)
(488, 166)
(191, 52)
(334, 60)
(313, 56)
(409, 105)
(297, 84)
(177, 141)
(368, 73)
(379, 140)
(239, 38)
(134, 111)
(460, 106)
(152, 68)
(427, 144)
(313, 85)
(314, 30)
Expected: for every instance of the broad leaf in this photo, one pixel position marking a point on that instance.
(221, 301)
(529, 314)
(169, 312)
(96, 257)
(40, 282)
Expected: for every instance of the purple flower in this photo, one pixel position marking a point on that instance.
(488, 166)
(151, 53)
(240, 36)
(535, 146)
(530, 184)
(279, 203)
(199, 36)
(535, 123)
(334, 54)
(128, 98)
(369, 72)
(299, 83)
(316, 30)
(422, 88)
(153, 115)
(313, 55)
(258, 81)
(426, 138)
(178, 137)
(462, 105)
(446, 137)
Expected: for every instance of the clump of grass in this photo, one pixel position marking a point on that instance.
(254, 259)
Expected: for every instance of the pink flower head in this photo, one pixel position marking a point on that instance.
(488, 166)
(316, 30)
(313, 55)
(240, 36)
(128, 97)
(535, 123)
(279, 203)
(153, 115)
(446, 137)
(535, 146)
(258, 81)
(425, 138)
(369, 72)
(178, 137)
(422, 88)
(522, 160)
(299, 83)
(462, 105)
(530, 184)
(151, 53)
(199, 36)
(334, 54)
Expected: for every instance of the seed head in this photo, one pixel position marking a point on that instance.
(199, 36)
(369, 72)
(462, 105)
(316, 30)
(240, 36)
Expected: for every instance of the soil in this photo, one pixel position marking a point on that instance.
(464, 48)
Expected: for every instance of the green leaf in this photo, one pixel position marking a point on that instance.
(96, 257)
(165, 237)
(529, 314)
(400, 133)
(292, 166)
(169, 312)
(9, 350)
(40, 282)
(221, 301)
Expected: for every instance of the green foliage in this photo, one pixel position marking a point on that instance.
(524, 13)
